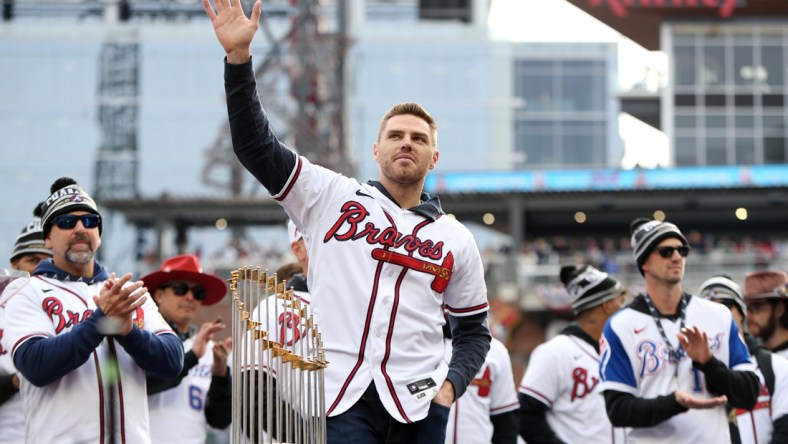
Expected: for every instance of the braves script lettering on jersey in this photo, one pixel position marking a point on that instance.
(491, 392)
(635, 361)
(387, 326)
(755, 426)
(183, 405)
(563, 374)
(45, 307)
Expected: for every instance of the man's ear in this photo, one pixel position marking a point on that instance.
(375, 153)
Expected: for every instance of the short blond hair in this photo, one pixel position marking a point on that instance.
(413, 109)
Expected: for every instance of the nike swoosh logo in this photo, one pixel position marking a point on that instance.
(639, 330)
(361, 193)
(47, 290)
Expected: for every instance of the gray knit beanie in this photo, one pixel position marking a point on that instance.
(647, 234)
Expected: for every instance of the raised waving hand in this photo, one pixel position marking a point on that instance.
(233, 29)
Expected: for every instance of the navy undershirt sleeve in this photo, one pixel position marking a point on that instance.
(470, 344)
(42, 361)
(254, 143)
(161, 355)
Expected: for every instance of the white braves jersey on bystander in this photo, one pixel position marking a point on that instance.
(635, 360)
(177, 415)
(491, 392)
(47, 307)
(563, 374)
(755, 426)
(12, 414)
(378, 277)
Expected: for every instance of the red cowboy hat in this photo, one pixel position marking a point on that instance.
(186, 267)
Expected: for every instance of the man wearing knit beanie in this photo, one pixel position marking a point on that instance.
(559, 396)
(671, 361)
(73, 324)
(768, 421)
(29, 250)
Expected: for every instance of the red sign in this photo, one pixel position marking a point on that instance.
(621, 7)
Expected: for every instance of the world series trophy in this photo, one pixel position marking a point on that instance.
(278, 361)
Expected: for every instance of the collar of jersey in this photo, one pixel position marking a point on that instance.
(430, 206)
(48, 269)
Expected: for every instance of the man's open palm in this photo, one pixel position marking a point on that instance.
(233, 29)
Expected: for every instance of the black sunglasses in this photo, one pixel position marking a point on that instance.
(69, 221)
(181, 288)
(667, 252)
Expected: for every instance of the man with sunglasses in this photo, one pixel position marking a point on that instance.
(767, 308)
(83, 338)
(383, 260)
(768, 420)
(671, 361)
(181, 408)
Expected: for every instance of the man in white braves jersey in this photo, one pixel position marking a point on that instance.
(383, 258)
(560, 396)
(768, 420)
(29, 250)
(487, 412)
(279, 316)
(82, 338)
(766, 294)
(671, 361)
(182, 409)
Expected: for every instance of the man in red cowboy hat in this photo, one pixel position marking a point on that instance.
(767, 308)
(180, 409)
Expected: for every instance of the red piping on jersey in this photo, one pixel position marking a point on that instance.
(467, 309)
(392, 320)
(101, 396)
(583, 349)
(25, 338)
(390, 332)
(363, 345)
(119, 383)
(541, 395)
(66, 289)
(289, 186)
(504, 408)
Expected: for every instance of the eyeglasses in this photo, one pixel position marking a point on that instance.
(181, 288)
(755, 307)
(667, 252)
(69, 221)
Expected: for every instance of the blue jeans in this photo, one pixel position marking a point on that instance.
(368, 422)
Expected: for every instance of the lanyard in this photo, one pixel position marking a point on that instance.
(673, 354)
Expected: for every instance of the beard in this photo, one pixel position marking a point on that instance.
(768, 330)
(82, 256)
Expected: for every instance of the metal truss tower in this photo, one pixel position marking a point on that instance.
(117, 162)
(301, 80)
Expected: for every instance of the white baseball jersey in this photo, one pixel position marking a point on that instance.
(75, 408)
(755, 426)
(283, 324)
(12, 415)
(563, 374)
(783, 353)
(491, 392)
(378, 276)
(177, 415)
(634, 360)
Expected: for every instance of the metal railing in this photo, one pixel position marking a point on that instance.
(536, 286)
